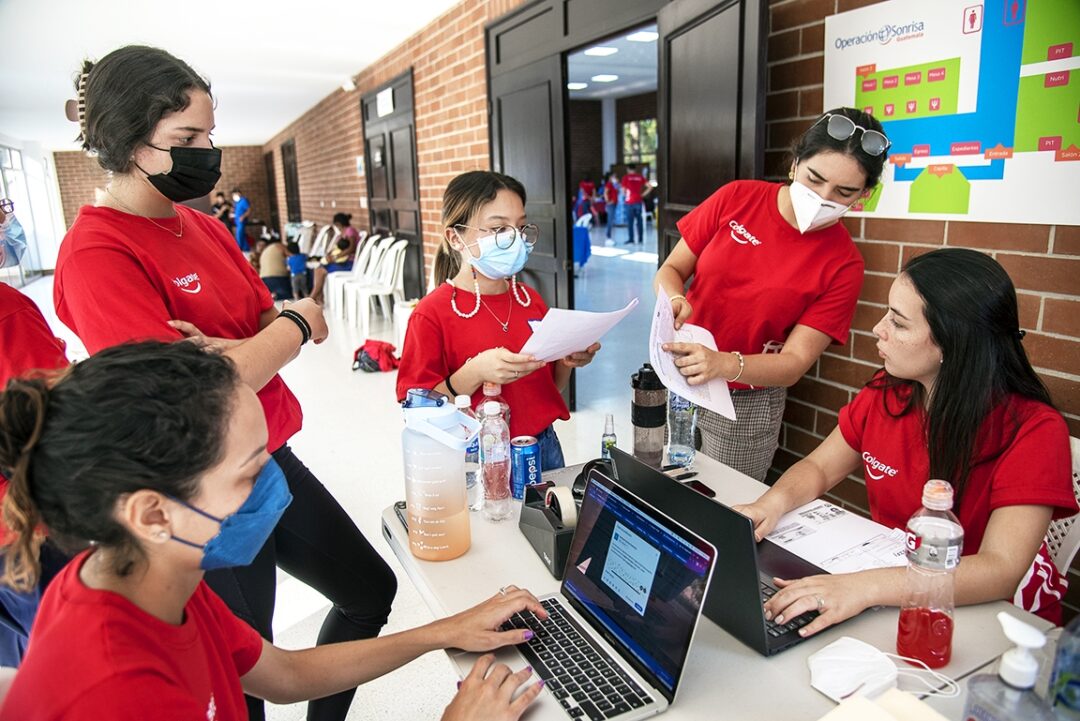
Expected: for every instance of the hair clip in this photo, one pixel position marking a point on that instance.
(1020, 334)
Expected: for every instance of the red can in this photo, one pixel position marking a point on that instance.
(524, 464)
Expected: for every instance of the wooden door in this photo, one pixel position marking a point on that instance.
(293, 212)
(711, 97)
(393, 187)
(271, 187)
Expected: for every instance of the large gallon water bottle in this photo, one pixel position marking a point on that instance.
(433, 444)
(935, 541)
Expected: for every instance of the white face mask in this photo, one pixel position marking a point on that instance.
(850, 667)
(811, 210)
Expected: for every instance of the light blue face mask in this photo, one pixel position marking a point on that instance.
(498, 263)
(243, 533)
(12, 242)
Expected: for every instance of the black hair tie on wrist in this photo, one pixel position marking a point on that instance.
(300, 321)
(453, 393)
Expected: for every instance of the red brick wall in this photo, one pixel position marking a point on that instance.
(450, 87)
(586, 139)
(78, 175)
(1043, 261)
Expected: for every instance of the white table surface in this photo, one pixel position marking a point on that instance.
(724, 679)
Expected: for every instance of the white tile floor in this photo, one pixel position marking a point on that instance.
(350, 440)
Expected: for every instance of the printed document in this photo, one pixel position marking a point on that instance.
(837, 540)
(562, 332)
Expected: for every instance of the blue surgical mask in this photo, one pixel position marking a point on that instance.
(497, 263)
(12, 242)
(244, 532)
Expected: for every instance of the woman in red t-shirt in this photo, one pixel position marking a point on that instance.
(775, 280)
(140, 265)
(957, 400)
(461, 333)
(154, 459)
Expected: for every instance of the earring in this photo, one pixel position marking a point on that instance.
(162, 535)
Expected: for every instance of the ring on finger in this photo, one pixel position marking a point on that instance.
(502, 591)
(820, 604)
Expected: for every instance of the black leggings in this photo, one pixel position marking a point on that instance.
(316, 542)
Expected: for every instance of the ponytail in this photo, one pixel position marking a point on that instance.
(23, 408)
(447, 263)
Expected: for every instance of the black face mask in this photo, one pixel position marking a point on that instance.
(195, 172)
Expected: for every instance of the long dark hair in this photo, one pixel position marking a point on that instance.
(817, 140)
(146, 415)
(970, 305)
(126, 94)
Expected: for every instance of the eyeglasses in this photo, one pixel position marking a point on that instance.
(841, 127)
(505, 235)
(6, 205)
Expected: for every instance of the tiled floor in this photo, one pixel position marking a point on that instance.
(350, 440)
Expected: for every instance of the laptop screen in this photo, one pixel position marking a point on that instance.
(639, 578)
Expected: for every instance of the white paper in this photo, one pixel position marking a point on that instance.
(839, 541)
(713, 395)
(562, 332)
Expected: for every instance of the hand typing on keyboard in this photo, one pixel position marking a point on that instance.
(487, 693)
(835, 598)
(479, 628)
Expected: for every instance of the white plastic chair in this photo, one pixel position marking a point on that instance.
(332, 290)
(358, 296)
(1063, 536)
(324, 240)
(305, 237)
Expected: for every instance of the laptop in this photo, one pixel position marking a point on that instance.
(620, 628)
(743, 580)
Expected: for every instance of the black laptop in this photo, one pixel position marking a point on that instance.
(745, 568)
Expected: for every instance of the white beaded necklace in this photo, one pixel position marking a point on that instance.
(476, 308)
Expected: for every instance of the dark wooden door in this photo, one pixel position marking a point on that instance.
(393, 187)
(271, 188)
(292, 182)
(711, 97)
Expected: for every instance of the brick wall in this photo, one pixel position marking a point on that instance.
(78, 175)
(1043, 261)
(450, 88)
(586, 139)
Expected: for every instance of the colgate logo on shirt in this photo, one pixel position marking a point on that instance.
(876, 469)
(741, 235)
(189, 283)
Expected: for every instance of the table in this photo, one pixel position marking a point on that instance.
(724, 679)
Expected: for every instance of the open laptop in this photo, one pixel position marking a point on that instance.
(744, 569)
(620, 627)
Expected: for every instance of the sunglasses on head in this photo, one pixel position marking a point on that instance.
(841, 127)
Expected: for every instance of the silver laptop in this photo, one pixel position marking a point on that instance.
(620, 628)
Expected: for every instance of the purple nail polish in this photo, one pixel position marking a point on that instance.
(528, 635)
(529, 669)
(459, 684)
(540, 683)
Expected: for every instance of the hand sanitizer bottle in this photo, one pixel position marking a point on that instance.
(1009, 695)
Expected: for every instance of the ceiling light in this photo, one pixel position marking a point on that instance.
(576, 86)
(601, 51)
(348, 86)
(643, 36)
(604, 78)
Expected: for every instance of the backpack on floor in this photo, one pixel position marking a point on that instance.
(375, 356)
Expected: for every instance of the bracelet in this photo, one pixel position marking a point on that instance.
(678, 297)
(453, 393)
(300, 321)
(742, 366)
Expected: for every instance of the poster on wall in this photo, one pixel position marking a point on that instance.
(981, 101)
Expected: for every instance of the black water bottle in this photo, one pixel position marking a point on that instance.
(648, 413)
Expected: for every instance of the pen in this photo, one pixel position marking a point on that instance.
(670, 467)
(684, 476)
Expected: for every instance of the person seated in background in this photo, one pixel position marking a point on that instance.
(157, 452)
(340, 257)
(273, 269)
(460, 334)
(297, 263)
(956, 400)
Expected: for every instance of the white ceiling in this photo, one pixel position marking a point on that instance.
(268, 61)
(634, 63)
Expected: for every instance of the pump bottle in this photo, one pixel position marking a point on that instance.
(1009, 694)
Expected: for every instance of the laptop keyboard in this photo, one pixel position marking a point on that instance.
(585, 679)
(777, 630)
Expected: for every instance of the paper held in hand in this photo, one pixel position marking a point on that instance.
(713, 395)
(563, 332)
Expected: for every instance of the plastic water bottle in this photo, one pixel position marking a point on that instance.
(1064, 691)
(493, 392)
(472, 459)
(609, 438)
(935, 540)
(682, 420)
(495, 463)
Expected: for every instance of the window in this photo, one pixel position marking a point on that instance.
(639, 142)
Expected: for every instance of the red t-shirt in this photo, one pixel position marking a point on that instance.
(611, 193)
(757, 277)
(632, 183)
(438, 342)
(96, 655)
(587, 188)
(120, 278)
(1022, 458)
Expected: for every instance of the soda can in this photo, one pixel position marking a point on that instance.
(524, 464)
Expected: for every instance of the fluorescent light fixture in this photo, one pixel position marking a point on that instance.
(643, 36)
(576, 86)
(604, 78)
(601, 51)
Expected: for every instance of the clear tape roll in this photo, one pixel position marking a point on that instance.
(563, 505)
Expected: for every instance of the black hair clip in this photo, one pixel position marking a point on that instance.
(1020, 334)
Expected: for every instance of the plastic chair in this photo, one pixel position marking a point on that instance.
(305, 236)
(324, 240)
(332, 290)
(366, 272)
(1063, 536)
(358, 296)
